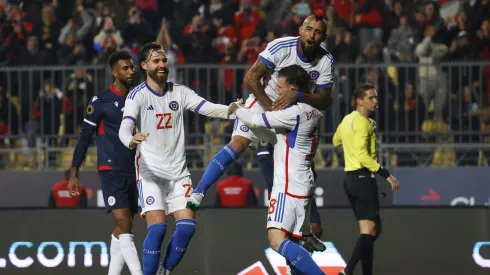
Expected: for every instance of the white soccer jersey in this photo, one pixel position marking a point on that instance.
(161, 116)
(297, 140)
(283, 52)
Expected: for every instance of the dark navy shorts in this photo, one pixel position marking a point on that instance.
(119, 190)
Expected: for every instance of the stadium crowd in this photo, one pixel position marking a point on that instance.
(362, 32)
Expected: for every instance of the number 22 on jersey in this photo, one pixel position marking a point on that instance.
(164, 121)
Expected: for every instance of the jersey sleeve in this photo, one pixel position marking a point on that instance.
(286, 119)
(132, 107)
(325, 80)
(193, 102)
(361, 141)
(93, 115)
(273, 54)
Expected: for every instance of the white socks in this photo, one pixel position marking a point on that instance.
(117, 261)
(123, 250)
(130, 254)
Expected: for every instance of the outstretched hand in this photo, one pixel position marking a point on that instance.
(234, 107)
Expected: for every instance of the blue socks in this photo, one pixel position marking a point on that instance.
(215, 169)
(184, 230)
(151, 247)
(299, 258)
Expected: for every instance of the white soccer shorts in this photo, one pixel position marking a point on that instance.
(255, 134)
(159, 194)
(289, 214)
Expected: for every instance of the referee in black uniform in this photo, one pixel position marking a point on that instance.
(357, 137)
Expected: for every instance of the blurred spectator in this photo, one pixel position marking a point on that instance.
(59, 196)
(14, 33)
(136, 29)
(48, 107)
(149, 11)
(247, 19)
(170, 48)
(250, 49)
(222, 35)
(49, 45)
(391, 18)
(107, 41)
(292, 23)
(235, 190)
(431, 81)
(433, 17)
(482, 41)
(344, 9)
(31, 55)
(343, 48)
(8, 117)
(196, 45)
(80, 90)
(466, 117)
(369, 21)
(401, 43)
(50, 22)
(71, 51)
(410, 111)
(370, 54)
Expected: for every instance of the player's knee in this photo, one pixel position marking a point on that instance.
(276, 237)
(124, 224)
(239, 144)
(367, 227)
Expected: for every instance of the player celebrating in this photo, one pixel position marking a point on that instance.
(296, 132)
(305, 51)
(115, 162)
(164, 181)
(357, 137)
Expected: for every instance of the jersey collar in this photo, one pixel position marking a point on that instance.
(115, 91)
(153, 91)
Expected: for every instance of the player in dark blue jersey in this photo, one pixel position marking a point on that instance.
(115, 162)
(265, 162)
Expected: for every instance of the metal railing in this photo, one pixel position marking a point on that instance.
(42, 109)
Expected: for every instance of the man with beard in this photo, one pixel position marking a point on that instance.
(115, 162)
(304, 51)
(164, 182)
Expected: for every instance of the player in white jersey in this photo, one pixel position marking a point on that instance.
(305, 51)
(296, 132)
(163, 179)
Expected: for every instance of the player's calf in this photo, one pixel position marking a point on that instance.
(216, 168)
(297, 257)
(185, 227)
(153, 241)
(124, 221)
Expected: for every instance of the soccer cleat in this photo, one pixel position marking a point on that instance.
(194, 201)
(314, 243)
(162, 271)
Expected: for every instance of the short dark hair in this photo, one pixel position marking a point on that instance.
(360, 92)
(145, 51)
(116, 56)
(235, 169)
(297, 76)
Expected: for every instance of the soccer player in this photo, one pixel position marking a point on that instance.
(164, 182)
(357, 137)
(304, 51)
(291, 197)
(115, 162)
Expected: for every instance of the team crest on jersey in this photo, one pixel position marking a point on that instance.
(174, 106)
(244, 128)
(314, 75)
(150, 200)
(90, 109)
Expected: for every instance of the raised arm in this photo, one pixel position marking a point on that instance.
(199, 105)
(253, 77)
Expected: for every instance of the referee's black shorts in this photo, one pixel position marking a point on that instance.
(362, 191)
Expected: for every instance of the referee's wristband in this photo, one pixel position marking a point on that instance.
(383, 172)
(299, 96)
